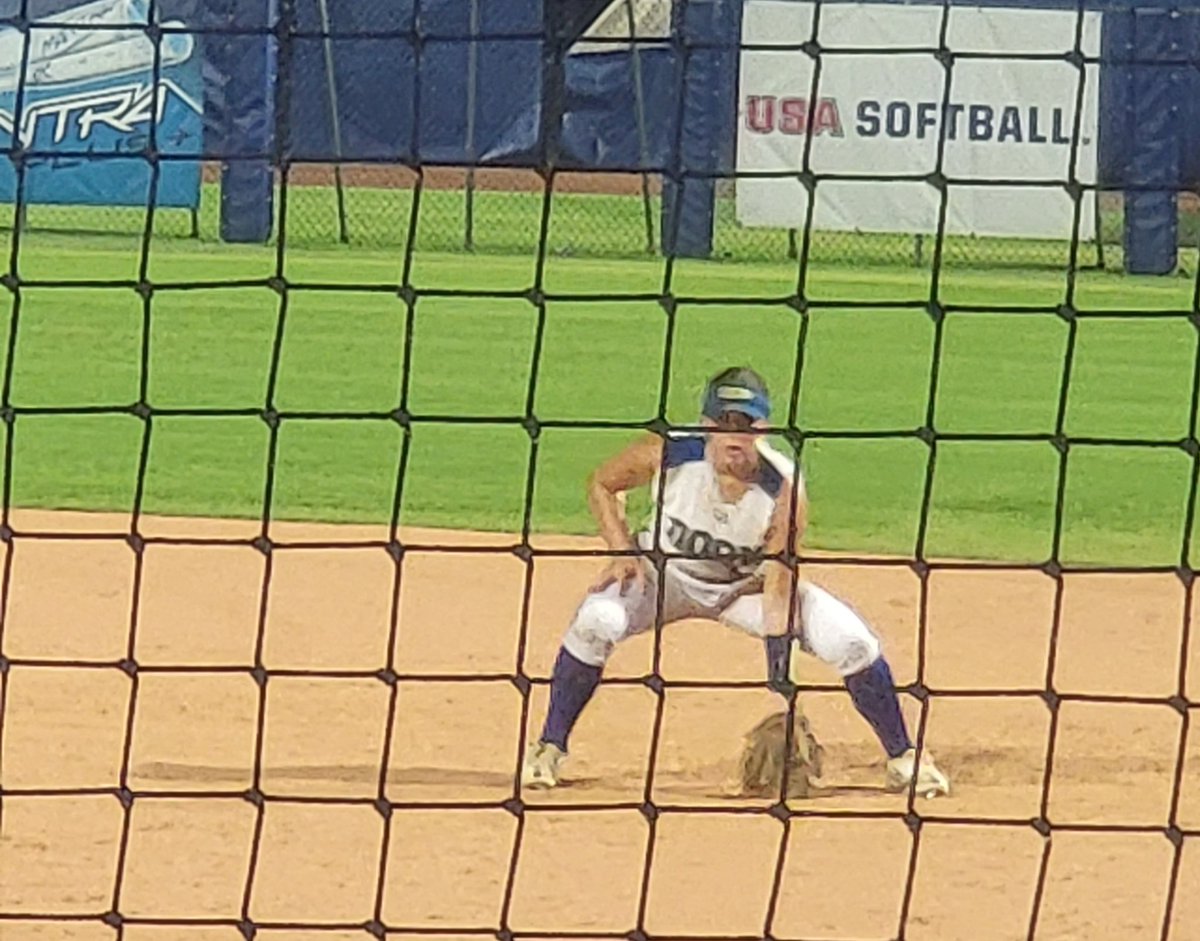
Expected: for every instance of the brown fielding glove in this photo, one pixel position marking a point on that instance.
(760, 771)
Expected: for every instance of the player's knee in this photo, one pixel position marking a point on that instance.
(599, 625)
(858, 653)
(837, 634)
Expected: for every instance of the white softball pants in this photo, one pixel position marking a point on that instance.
(828, 628)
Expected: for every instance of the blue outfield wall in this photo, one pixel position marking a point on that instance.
(402, 78)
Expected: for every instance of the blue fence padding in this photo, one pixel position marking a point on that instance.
(432, 18)
(599, 128)
(240, 96)
(1151, 218)
(706, 135)
(404, 100)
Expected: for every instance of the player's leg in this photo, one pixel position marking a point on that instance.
(602, 620)
(830, 630)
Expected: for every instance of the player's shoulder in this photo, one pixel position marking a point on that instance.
(777, 469)
(680, 449)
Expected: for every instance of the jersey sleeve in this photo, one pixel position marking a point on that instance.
(682, 450)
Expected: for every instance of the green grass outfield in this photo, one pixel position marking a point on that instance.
(865, 369)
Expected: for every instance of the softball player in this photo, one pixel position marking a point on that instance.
(726, 501)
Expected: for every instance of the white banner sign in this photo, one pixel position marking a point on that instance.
(1010, 121)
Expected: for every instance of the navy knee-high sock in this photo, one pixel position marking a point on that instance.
(571, 687)
(874, 694)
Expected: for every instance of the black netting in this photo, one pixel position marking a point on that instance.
(394, 208)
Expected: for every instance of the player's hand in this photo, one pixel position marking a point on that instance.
(625, 571)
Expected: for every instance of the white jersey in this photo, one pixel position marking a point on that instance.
(698, 521)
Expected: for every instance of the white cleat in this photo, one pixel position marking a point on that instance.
(931, 781)
(540, 770)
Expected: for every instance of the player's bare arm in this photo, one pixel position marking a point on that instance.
(780, 581)
(781, 612)
(633, 467)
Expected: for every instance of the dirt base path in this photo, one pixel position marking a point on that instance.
(455, 740)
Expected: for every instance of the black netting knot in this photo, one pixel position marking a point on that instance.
(10, 280)
(780, 811)
(255, 797)
(136, 542)
(271, 417)
(1175, 835)
(141, 410)
(524, 552)
(797, 302)
(935, 310)
(248, 929)
(636, 935)
(408, 294)
(926, 434)
(1051, 699)
(1191, 446)
(263, 544)
(523, 684)
(6, 533)
(277, 284)
(259, 675)
(659, 426)
(125, 796)
(396, 550)
(375, 928)
(649, 810)
(669, 304)
(920, 568)
(536, 296)
(938, 180)
(945, 57)
(515, 806)
(5, 665)
(1053, 568)
(144, 289)
(114, 919)
(387, 676)
(1075, 57)
(812, 49)
(383, 807)
(654, 683)
(919, 691)
(1042, 825)
(1067, 312)
(914, 822)
(402, 418)
(504, 934)
(128, 667)
(532, 427)
(1179, 704)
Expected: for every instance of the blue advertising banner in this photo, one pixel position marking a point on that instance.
(89, 103)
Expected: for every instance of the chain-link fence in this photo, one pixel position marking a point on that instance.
(593, 215)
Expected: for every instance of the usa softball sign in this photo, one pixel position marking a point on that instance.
(1011, 128)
